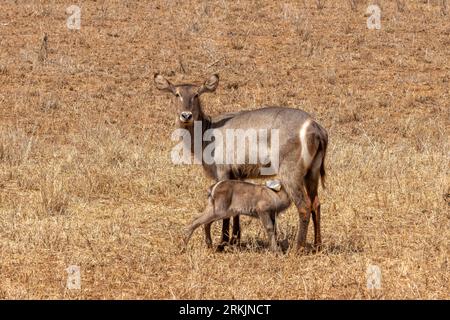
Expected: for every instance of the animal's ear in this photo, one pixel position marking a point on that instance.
(163, 84)
(210, 85)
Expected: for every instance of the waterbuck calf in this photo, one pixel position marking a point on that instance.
(229, 198)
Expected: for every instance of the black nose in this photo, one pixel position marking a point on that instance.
(186, 116)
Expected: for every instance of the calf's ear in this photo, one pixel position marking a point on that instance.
(163, 84)
(210, 85)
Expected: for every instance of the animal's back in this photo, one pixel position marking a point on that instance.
(265, 118)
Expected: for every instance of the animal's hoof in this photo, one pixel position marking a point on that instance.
(284, 244)
(221, 247)
(302, 250)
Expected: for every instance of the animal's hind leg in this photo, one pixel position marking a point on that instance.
(208, 239)
(316, 218)
(303, 204)
(293, 181)
(312, 184)
(208, 217)
(316, 221)
(274, 222)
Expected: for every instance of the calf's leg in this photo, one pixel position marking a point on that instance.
(270, 230)
(208, 239)
(209, 216)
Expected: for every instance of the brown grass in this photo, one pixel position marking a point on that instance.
(85, 171)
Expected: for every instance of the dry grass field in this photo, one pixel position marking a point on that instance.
(86, 176)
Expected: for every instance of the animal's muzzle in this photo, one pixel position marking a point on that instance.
(186, 116)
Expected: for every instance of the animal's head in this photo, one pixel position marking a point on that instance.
(187, 97)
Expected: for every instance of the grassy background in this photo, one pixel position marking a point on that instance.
(85, 171)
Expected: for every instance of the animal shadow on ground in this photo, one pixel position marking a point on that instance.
(287, 243)
(342, 248)
(254, 245)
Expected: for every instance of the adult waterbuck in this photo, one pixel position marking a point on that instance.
(301, 149)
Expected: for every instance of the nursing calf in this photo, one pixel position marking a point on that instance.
(229, 198)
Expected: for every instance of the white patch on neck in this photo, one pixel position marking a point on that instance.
(306, 157)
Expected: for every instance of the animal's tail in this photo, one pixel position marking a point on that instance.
(323, 145)
(317, 139)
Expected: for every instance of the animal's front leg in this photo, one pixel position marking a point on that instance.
(225, 234)
(236, 236)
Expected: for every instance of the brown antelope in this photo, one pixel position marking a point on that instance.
(302, 148)
(229, 198)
